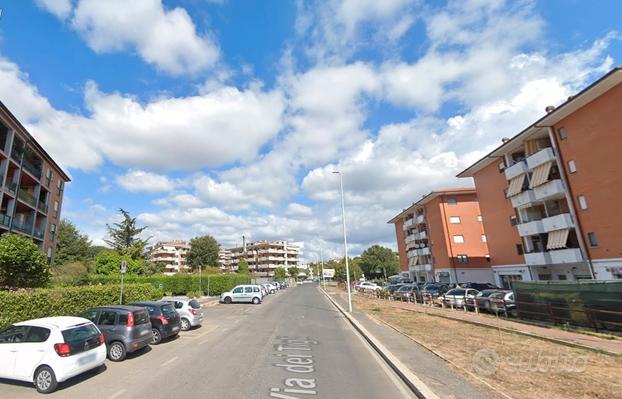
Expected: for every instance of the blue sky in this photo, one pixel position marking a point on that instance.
(227, 117)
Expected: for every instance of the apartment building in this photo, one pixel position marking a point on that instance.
(225, 260)
(171, 254)
(441, 238)
(265, 256)
(31, 186)
(549, 196)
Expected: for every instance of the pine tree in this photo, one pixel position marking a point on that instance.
(124, 236)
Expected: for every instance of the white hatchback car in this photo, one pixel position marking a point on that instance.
(50, 350)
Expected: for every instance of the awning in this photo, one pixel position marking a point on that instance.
(531, 147)
(412, 261)
(516, 185)
(557, 239)
(540, 174)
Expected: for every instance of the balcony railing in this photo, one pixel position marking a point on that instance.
(530, 228)
(26, 197)
(16, 154)
(420, 219)
(42, 206)
(543, 156)
(30, 167)
(557, 222)
(24, 227)
(515, 170)
(39, 233)
(11, 187)
(551, 189)
(5, 220)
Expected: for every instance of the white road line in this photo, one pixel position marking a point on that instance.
(171, 360)
(119, 393)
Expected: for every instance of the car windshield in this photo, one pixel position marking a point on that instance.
(140, 317)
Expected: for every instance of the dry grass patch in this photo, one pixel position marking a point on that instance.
(521, 366)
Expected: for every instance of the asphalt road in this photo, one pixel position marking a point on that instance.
(294, 345)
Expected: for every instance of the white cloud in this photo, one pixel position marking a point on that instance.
(165, 38)
(294, 209)
(138, 180)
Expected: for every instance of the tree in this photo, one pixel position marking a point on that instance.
(124, 236)
(376, 260)
(22, 264)
(243, 266)
(293, 271)
(340, 268)
(71, 245)
(109, 262)
(203, 252)
(280, 274)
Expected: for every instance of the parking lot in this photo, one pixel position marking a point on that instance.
(245, 350)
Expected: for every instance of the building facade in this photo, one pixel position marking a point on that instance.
(265, 256)
(171, 254)
(442, 238)
(548, 195)
(225, 260)
(32, 186)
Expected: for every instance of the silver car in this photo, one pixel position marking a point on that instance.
(243, 293)
(188, 309)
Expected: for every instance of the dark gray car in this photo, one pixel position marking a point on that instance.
(126, 329)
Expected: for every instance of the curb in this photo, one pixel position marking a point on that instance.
(418, 387)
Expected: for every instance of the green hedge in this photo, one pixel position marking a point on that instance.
(67, 301)
(178, 284)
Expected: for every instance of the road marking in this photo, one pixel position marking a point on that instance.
(171, 360)
(119, 393)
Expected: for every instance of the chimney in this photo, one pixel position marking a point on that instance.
(505, 140)
(549, 109)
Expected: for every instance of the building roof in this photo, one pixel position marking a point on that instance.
(34, 142)
(429, 197)
(585, 96)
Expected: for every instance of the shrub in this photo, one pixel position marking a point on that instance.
(22, 264)
(67, 301)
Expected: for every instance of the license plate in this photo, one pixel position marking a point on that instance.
(87, 359)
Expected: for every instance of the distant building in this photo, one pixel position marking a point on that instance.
(31, 186)
(265, 256)
(225, 260)
(171, 254)
(441, 238)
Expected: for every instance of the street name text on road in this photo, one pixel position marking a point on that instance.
(300, 364)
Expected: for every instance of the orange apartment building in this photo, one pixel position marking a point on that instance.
(31, 186)
(441, 238)
(549, 196)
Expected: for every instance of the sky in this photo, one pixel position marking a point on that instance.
(228, 117)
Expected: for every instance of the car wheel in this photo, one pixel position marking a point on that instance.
(272, 291)
(256, 301)
(156, 336)
(116, 351)
(185, 325)
(228, 299)
(45, 380)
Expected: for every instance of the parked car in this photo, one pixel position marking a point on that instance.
(483, 300)
(406, 292)
(503, 302)
(432, 292)
(50, 350)
(243, 293)
(126, 329)
(391, 288)
(165, 322)
(271, 288)
(457, 297)
(479, 286)
(189, 311)
(368, 286)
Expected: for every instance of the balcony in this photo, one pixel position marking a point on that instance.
(42, 206)
(423, 251)
(407, 224)
(525, 198)
(531, 228)
(422, 235)
(16, 154)
(31, 168)
(515, 170)
(39, 232)
(411, 245)
(549, 190)
(412, 253)
(568, 255)
(420, 219)
(11, 187)
(26, 197)
(537, 258)
(543, 156)
(24, 227)
(5, 220)
(557, 222)
(409, 238)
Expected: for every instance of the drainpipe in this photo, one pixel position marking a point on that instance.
(559, 160)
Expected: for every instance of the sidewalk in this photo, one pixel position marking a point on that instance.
(207, 301)
(431, 369)
(610, 346)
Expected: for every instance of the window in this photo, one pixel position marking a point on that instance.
(479, 218)
(13, 334)
(452, 201)
(458, 239)
(55, 208)
(454, 219)
(562, 133)
(462, 258)
(37, 334)
(122, 319)
(562, 277)
(592, 239)
(572, 166)
(238, 290)
(582, 202)
(255, 289)
(107, 318)
(519, 249)
(484, 238)
(90, 315)
(248, 290)
(513, 220)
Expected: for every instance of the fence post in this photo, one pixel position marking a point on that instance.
(476, 305)
(505, 309)
(464, 303)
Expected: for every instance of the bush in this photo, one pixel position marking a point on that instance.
(22, 264)
(178, 284)
(43, 302)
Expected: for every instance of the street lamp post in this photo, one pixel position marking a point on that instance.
(345, 240)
